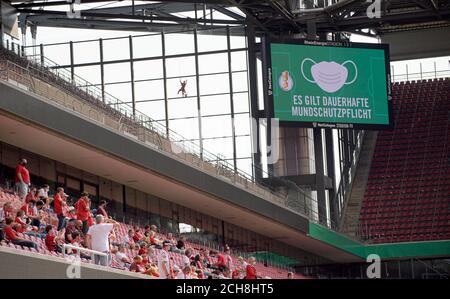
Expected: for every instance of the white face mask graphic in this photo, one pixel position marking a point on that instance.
(329, 76)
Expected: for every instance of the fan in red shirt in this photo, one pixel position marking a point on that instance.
(31, 195)
(51, 240)
(21, 223)
(137, 266)
(58, 203)
(137, 235)
(12, 236)
(250, 270)
(83, 208)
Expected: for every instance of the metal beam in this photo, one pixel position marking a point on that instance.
(85, 15)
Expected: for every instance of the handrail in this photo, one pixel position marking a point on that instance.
(81, 249)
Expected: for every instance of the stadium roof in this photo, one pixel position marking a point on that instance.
(276, 16)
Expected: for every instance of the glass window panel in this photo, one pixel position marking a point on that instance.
(173, 87)
(184, 107)
(89, 73)
(114, 49)
(181, 66)
(149, 90)
(245, 165)
(213, 63)
(222, 147)
(59, 54)
(216, 126)
(147, 46)
(153, 109)
(243, 147)
(120, 91)
(86, 52)
(179, 43)
(149, 69)
(238, 61)
(187, 128)
(242, 124)
(240, 82)
(217, 104)
(117, 72)
(240, 101)
(213, 84)
(238, 41)
(211, 40)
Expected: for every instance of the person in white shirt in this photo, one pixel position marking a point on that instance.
(97, 238)
(187, 257)
(43, 192)
(241, 267)
(164, 262)
(122, 257)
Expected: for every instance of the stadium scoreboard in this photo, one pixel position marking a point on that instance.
(328, 84)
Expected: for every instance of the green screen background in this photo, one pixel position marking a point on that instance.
(371, 81)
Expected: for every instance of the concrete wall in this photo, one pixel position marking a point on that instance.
(17, 264)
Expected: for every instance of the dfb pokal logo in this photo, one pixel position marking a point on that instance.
(285, 81)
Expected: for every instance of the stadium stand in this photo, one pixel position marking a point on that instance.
(407, 194)
(121, 231)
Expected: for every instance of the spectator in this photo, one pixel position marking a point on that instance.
(250, 269)
(153, 270)
(200, 261)
(147, 230)
(12, 236)
(164, 262)
(31, 195)
(22, 178)
(228, 258)
(38, 218)
(241, 267)
(58, 203)
(137, 236)
(221, 262)
(128, 239)
(83, 209)
(79, 227)
(20, 223)
(180, 243)
(122, 258)
(137, 266)
(70, 228)
(52, 242)
(6, 212)
(154, 241)
(290, 275)
(102, 209)
(43, 191)
(186, 274)
(187, 257)
(199, 274)
(143, 250)
(177, 274)
(28, 208)
(97, 238)
(71, 214)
